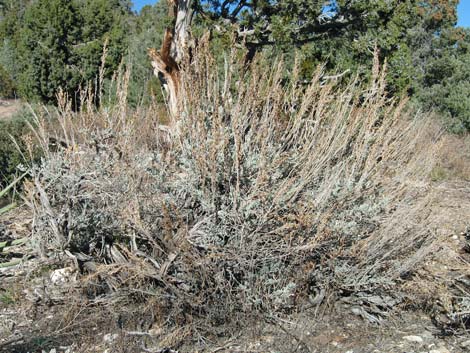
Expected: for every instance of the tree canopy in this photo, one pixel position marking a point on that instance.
(47, 44)
(52, 44)
(342, 33)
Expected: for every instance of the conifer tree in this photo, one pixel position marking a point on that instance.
(49, 33)
(61, 44)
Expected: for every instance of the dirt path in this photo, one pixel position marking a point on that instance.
(9, 107)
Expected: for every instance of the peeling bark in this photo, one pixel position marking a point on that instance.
(167, 61)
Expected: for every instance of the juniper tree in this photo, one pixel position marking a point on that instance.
(61, 44)
(342, 33)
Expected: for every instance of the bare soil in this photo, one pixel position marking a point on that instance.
(8, 108)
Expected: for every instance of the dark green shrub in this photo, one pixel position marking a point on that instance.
(444, 85)
(12, 146)
(7, 87)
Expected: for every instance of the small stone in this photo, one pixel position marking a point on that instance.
(62, 276)
(427, 335)
(440, 350)
(110, 337)
(414, 339)
(268, 339)
(465, 344)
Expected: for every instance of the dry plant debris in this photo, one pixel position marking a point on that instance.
(265, 198)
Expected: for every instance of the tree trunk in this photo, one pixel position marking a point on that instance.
(167, 61)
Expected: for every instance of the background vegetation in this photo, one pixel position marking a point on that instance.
(52, 45)
(47, 44)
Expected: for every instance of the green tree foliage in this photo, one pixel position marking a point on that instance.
(11, 12)
(49, 33)
(445, 81)
(341, 33)
(47, 44)
(7, 88)
(418, 39)
(10, 155)
(61, 44)
(9, 59)
(148, 31)
(102, 20)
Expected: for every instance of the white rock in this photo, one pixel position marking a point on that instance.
(414, 339)
(110, 337)
(465, 344)
(62, 276)
(440, 350)
(427, 335)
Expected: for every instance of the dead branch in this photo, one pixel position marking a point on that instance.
(166, 63)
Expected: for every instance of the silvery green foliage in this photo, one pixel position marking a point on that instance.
(361, 219)
(82, 197)
(269, 198)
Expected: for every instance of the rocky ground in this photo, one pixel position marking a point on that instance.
(39, 322)
(37, 313)
(44, 307)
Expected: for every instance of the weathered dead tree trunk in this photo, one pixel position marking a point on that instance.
(167, 61)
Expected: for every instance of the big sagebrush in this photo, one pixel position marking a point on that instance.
(262, 194)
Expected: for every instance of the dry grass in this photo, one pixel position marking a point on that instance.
(263, 196)
(453, 159)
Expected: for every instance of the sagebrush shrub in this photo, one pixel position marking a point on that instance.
(261, 193)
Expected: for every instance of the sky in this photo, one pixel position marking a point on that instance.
(463, 9)
(464, 13)
(138, 4)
